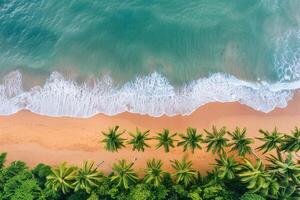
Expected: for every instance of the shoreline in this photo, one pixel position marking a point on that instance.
(35, 138)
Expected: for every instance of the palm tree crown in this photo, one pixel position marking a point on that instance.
(139, 139)
(87, 177)
(239, 141)
(61, 178)
(154, 173)
(255, 176)
(285, 169)
(124, 174)
(113, 140)
(184, 172)
(215, 140)
(271, 140)
(291, 143)
(190, 140)
(227, 167)
(165, 140)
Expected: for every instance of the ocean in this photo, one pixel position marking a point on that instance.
(155, 57)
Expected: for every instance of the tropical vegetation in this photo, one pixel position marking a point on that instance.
(238, 173)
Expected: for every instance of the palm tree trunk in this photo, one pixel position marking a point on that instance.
(100, 163)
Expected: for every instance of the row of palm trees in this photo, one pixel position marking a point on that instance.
(278, 177)
(65, 178)
(216, 140)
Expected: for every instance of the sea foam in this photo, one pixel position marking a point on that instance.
(152, 95)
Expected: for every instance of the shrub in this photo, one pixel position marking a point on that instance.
(251, 196)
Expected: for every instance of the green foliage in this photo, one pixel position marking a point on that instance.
(87, 177)
(216, 192)
(251, 196)
(184, 172)
(140, 192)
(113, 141)
(240, 142)
(287, 174)
(255, 177)
(124, 174)
(61, 178)
(93, 196)
(154, 173)
(165, 140)
(216, 141)
(271, 140)
(227, 167)
(21, 188)
(191, 140)
(285, 169)
(40, 172)
(2, 159)
(139, 139)
(291, 143)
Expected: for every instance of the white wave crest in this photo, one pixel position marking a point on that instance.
(152, 95)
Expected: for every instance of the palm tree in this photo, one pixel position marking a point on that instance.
(287, 174)
(113, 140)
(215, 140)
(139, 139)
(284, 169)
(154, 173)
(124, 174)
(271, 140)
(190, 140)
(227, 167)
(184, 173)
(291, 143)
(255, 177)
(165, 140)
(61, 178)
(240, 142)
(88, 177)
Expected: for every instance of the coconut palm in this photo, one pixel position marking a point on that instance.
(139, 139)
(227, 167)
(191, 140)
(216, 141)
(284, 169)
(240, 142)
(255, 176)
(272, 140)
(113, 141)
(165, 140)
(184, 172)
(287, 174)
(124, 174)
(88, 177)
(61, 178)
(291, 143)
(154, 173)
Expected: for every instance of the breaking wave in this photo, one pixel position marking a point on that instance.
(152, 95)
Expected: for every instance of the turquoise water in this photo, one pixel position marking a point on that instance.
(150, 57)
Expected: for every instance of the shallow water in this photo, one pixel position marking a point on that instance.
(150, 57)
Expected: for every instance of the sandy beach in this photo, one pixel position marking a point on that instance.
(34, 138)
